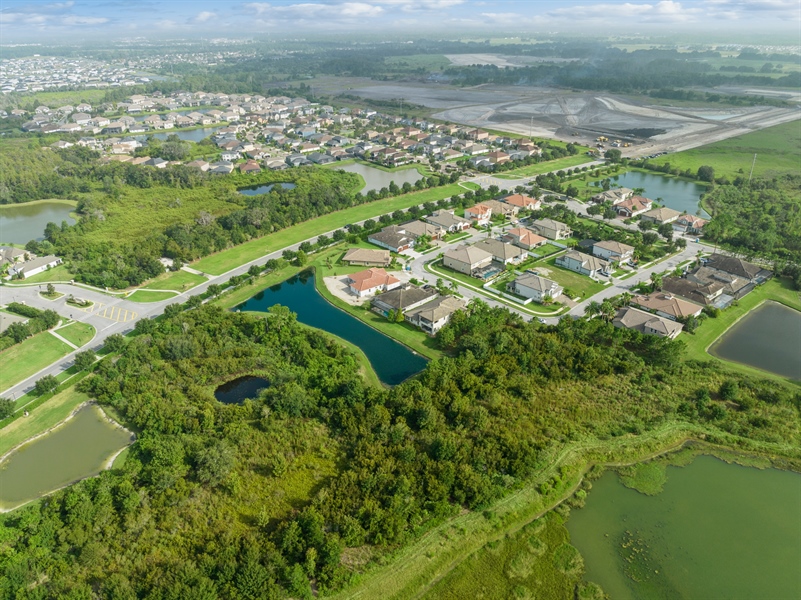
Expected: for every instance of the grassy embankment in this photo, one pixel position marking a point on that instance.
(148, 296)
(777, 149)
(698, 344)
(222, 262)
(79, 334)
(59, 273)
(179, 281)
(413, 571)
(20, 361)
(568, 162)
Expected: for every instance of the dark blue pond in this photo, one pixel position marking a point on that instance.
(264, 189)
(241, 388)
(393, 362)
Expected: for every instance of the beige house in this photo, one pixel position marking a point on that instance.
(480, 214)
(535, 287)
(466, 259)
(502, 252)
(582, 263)
(613, 251)
(632, 318)
(367, 258)
(525, 238)
(521, 201)
(434, 315)
(667, 305)
(553, 230)
(661, 215)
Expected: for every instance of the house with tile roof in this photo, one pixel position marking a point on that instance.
(371, 281)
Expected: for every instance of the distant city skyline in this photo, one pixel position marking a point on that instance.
(44, 21)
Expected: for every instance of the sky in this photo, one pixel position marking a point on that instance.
(45, 20)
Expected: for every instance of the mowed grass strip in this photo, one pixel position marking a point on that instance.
(148, 296)
(41, 418)
(222, 262)
(79, 334)
(179, 281)
(20, 361)
(552, 165)
(777, 149)
(59, 273)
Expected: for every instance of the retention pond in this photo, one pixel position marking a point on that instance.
(81, 447)
(716, 530)
(678, 194)
(375, 179)
(393, 362)
(21, 223)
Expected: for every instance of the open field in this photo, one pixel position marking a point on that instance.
(428, 62)
(224, 261)
(59, 273)
(180, 281)
(567, 162)
(79, 334)
(40, 419)
(777, 148)
(578, 284)
(148, 296)
(777, 289)
(20, 361)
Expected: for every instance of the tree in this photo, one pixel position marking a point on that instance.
(114, 343)
(6, 407)
(666, 231)
(593, 309)
(301, 259)
(214, 290)
(607, 310)
(656, 281)
(215, 463)
(706, 173)
(46, 384)
(613, 155)
(85, 360)
(51, 289)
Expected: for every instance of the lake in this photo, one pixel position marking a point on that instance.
(678, 194)
(715, 531)
(375, 179)
(393, 362)
(21, 223)
(193, 135)
(79, 448)
(768, 337)
(256, 190)
(241, 388)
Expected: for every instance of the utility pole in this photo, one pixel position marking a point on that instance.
(752, 169)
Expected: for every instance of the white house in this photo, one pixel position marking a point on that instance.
(535, 287)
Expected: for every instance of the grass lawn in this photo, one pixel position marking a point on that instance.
(20, 361)
(180, 281)
(148, 296)
(79, 334)
(777, 149)
(430, 62)
(59, 273)
(224, 261)
(777, 289)
(567, 162)
(40, 419)
(578, 284)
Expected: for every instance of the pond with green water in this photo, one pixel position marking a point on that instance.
(21, 223)
(79, 448)
(716, 530)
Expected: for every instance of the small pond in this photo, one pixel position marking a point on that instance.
(79, 448)
(240, 389)
(678, 194)
(769, 338)
(192, 135)
(716, 530)
(375, 179)
(393, 362)
(21, 223)
(256, 190)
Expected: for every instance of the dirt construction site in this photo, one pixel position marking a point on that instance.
(582, 116)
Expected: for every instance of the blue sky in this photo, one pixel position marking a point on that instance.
(90, 18)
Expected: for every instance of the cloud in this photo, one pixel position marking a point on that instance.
(421, 5)
(664, 11)
(76, 20)
(204, 16)
(314, 11)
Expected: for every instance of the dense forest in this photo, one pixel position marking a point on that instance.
(294, 491)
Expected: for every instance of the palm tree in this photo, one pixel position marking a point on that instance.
(607, 310)
(592, 309)
(656, 281)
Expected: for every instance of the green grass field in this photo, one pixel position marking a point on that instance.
(40, 419)
(578, 284)
(224, 261)
(59, 273)
(148, 296)
(180, 281)
(710, 330)
(79, 334)
(559, 164)
(20, 361)
(429, 62)
(777, 148)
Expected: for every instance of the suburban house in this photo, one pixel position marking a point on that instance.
(524, 238)
(553, 230)
(522, 202)
(632, 318)
(667, 305)
(415, 229)
(707, 294)
(661, 215)
(34, 266)
(582, 263)
(403, 299)
(480, 214)
(502, 252)
(733, 286)
(739, 268)
(466, 259)
(198, 164)
(448, 221)
(367, 283)
(367, 258)
(689, 224)
(535, 287)
(391, 238)
(434, 315)
(502, 208)
(613, 251)
(633, 206)
(615, 196)
(10, 255)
